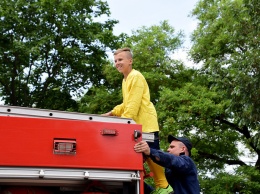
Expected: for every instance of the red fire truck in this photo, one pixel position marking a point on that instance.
(47, 151)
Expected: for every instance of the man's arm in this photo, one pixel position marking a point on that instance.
(167, 160)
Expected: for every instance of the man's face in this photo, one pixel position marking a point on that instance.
(123, 62)
(176, 147)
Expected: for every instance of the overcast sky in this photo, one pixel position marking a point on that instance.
(133, 14)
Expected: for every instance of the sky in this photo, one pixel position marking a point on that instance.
(133, 14)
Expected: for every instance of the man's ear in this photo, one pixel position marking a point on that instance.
(183, 149)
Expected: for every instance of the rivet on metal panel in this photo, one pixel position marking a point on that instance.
(41, 174)
(86, 174)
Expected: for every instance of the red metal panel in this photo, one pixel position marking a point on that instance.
(28, 141)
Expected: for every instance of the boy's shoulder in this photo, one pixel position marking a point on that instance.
(136, 73)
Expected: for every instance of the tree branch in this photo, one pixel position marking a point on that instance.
(226, 161)
(243, 131)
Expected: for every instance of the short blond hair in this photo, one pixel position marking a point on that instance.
(126, 49)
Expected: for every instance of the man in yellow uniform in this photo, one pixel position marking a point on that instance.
(137, 106)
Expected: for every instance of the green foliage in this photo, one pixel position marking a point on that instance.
(193, 111)
(102, 99)
(226, 41)
(149, 179)
(245, 180)
(99, 100)
(113, 79)
(49, 44)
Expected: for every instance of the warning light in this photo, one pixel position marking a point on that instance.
(64, 146)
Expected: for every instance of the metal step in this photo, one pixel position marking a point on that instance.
(69, 179)
(68, 174)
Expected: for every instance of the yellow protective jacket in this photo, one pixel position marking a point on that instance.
(136, 102)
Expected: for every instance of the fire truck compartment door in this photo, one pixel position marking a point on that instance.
(44, 142)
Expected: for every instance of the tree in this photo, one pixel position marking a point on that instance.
(246, 180)
(52, 48)
(219, 109)
(227, 41)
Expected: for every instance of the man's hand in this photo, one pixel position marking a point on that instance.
(142, 147)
